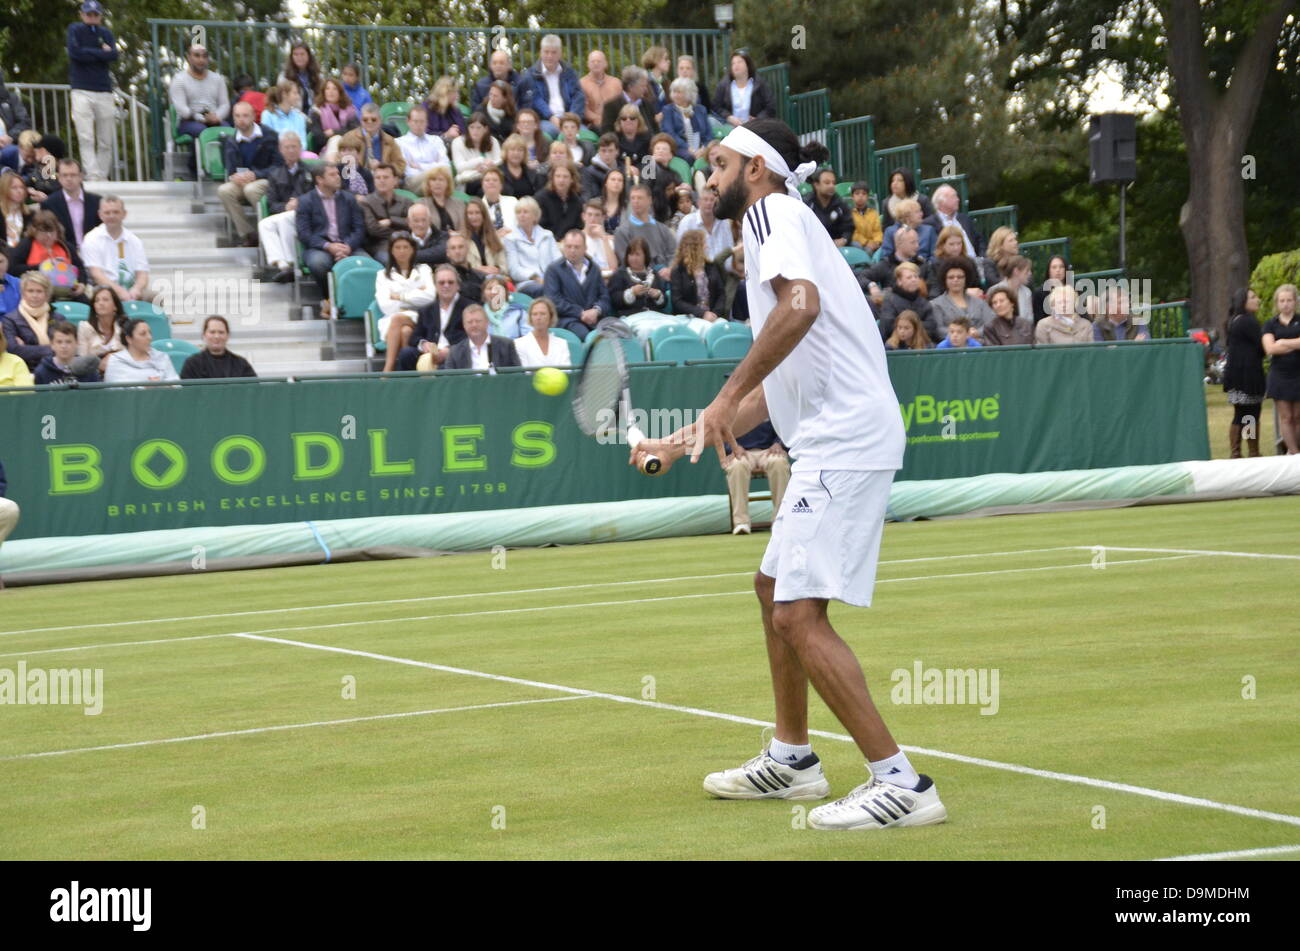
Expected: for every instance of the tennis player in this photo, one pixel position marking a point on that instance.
(821, 364)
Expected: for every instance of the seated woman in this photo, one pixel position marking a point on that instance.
(46, 249)
(950, 244)
(500, 109)
(908, 333)
(487, 252)
(633, 137)
(138, 361)
(663, 181)
(561, 200)
(696, 282)
(685, 120)
(473, 152)
(556, 152)
(357, 179)
(283, 112)
(16, 207)
(907, 293)
(955, 275)
(613, 198)
(908, 212)
(351, 76)
(1003, 245)
(541, 348)
(683, 205)
(98, 335)
(505, 319)
(27, 327)
(447, 213)
(333, 115)
(445, 118)
(401, 289)
(634, 287)
(517, 179)
(528, 126)
(902, 186)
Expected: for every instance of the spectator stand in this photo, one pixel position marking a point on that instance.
(809, 115)
(988, 220)
(852, 146)
(959, 182)
(777, 77)
(1042, 251)
(900, 156)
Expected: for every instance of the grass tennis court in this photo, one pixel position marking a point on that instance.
(1127, 674)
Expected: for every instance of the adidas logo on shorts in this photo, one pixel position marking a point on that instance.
(802, 507)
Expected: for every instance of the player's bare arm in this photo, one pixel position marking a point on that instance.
(750, 413)
(797, 306)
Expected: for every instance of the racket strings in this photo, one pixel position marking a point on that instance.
(597, 395)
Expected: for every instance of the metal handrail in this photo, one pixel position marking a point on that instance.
(50, 108)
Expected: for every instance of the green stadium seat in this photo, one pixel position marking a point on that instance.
(805, 189)
(179, 142)
(390, 109)
(520, 299)
(73, 311)
(374, 343)
(677, 343)
(721, 132)
(159, 324)
(177, 350)
(680, 166)
(352, 286)
(729, 340)
(844, 190)
(856, 257)
(586, 135)
(462, 196)
(575, 345)
(406, 194)
(633, 349)
(400, 124)
(210, 163)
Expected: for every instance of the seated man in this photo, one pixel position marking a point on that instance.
(198, 94)
(500, 67)
(867, 233)
(639, 222)
(214, 361)
(287, 182)
(76, 208)
(329, 224)
(764, 455)
(636, 91)
(946, 203)
(114, 256)
(440, 325)
(248, 156)
(829, 207)
(880, 276)
(385, 212)
(374, 144)
(574, 284)
(478, 351)
(718, 244)
(958, 335)
(594, 172)
(556, 86)
(430, 245)
(63, 365)
(1115, 322)
(598, 87)
(420, 150)
(457, 252)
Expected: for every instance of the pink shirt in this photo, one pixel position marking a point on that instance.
(77, 212)
(331, 212)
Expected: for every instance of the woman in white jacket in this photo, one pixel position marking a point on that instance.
(139, 361)
(401, 289)
(474, 152)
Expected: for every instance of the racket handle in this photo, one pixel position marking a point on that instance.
(650, 465)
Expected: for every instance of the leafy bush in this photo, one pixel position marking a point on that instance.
(1272, 272)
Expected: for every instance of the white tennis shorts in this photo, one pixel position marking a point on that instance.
(826, 538)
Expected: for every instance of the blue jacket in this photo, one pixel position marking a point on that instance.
(259, 155)
(3, 484)
(47, 372)
(21, 340)
(571, 298)
(87, 62)
(10, 295)
(575, 100)
(522, 83)
(313, 224)
(675, 127)
(358, 95)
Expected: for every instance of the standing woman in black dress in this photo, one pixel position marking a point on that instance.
(1243, 378)
(1281, 339)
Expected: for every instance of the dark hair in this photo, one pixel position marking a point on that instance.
(860, 186)
(641, 187)
(963, 264)
(211, 317)
(782, 138)
(393, 238)
(909, 180)
(52, 144)
(313, 68)
(578, 232)
(63, 327)
(128, 328)
(484, 145)
(749, 63)
(45, 220)
(119, 313)
(816, 176)
(510, 108)
(959, 321)
(1237, 305)
(1012, 263)
(380, 165)
(321, 169)
(242, 81)
(638, 244)
(607, 139)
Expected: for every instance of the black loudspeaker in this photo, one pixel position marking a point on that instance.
(1112, 147)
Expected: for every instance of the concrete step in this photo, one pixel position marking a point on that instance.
(312, 369)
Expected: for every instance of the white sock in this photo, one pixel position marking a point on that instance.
(896, 770)
(787, 752)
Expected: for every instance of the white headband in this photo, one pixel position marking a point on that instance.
(748, 144)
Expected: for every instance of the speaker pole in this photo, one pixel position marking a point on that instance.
(1123, 253)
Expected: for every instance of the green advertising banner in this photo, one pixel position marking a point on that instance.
(109, 460)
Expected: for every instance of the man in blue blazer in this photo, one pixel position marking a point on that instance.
(478, 349)
(501, 67)
(72, 196)
(574, 283)
(330, 225)
(556, 89)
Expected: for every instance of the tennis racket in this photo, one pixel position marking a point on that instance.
(602, 404)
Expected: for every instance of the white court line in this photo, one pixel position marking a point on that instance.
(696, 711)
(95, 647)
(1242, 854)
(1193, 551)
(481, 594)
(287, 726)
(581, 604)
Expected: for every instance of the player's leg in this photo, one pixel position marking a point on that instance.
(789, 682)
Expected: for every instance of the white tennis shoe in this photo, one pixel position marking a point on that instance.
(765, 778)
(877, 805)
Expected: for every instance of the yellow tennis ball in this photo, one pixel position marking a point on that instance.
(550, 381)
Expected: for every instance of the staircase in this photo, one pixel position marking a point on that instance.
(191, 257)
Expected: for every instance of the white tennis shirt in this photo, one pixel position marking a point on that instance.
(830, 399)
